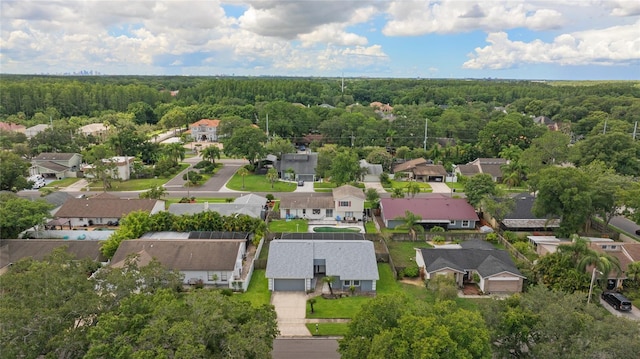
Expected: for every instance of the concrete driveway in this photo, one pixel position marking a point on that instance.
(291, 311)
(375, 185)
(439, 187)
(634, 314)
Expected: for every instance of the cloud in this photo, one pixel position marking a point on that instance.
(613, 45)
(413, 18)
(623, 7)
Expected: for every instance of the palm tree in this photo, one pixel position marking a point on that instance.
(603, 262)
(242, 171)
(413, 188)
(175, 151)
(633, 272)
(397, 193)
(410, 223)
(329, 279)
(211, 153)
(576, 250)
(272, 176)
(514, 173)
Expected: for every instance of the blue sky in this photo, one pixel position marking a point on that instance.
(574, 39)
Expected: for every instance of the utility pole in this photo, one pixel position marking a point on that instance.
(426, 121)
(604, 130)
(188, 194)
(267, 127)
(635, 130)
(352, 138)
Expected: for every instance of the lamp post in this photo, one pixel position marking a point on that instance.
(593, 279)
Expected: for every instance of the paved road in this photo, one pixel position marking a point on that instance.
(310, 348)
(625, 225)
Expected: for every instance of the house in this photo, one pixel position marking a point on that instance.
(434, 210)
(34, 130)
(420, 169)
(298, 265)
(491, 166)
(251, 205)
(495, 269)
(100, 210)
(13, 250)
(547, 122)
(12, 127)
(206, 261)
(204, 130)
(521, 218)
(122, 171)
(94, 129)
(58, 165)
(373, 171)
(303, 166)
(346, 203)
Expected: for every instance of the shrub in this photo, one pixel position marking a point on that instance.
(436, 229)
(412, 272)
(226, 292)
(438, 240)
(384, 179)
(492, 237)
(510, 236)
(270, 197)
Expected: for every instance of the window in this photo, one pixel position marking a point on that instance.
(223, 277)
(329, 212)
(356, 283)
(304, 211)
(452, 222)
(465, 223)
(316, 211)
(349, 283)
(212, 276)
(348, 214)
(344, 204)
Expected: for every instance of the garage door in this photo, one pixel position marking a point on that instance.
(288, 285)
(504, 286)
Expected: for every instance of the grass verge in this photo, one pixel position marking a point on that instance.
(258, 292)
(259, 183)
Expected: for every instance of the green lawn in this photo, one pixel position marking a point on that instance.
(328, 329)
(169, 201)
(424, 187)
(387, 283)
(290, 226)
(259, 183)
(370, 227)
(258, 291)
(65, 182)
(403, 252)
(346, 307)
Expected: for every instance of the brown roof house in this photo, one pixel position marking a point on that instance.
(60, 165)
(434, 210)
(491, 166)
(83, 212)
(496, 271)
(208, 261)
(13, 250)
(204, 130)
(420, 170)
(345, 203)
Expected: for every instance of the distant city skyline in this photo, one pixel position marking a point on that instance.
(506, 39)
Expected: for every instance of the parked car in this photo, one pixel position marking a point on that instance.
(638, 232)
(617, 301)
(300, 183)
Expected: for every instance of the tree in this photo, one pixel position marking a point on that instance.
(47, 306)
(211, 153)
(279, 146)
(174, 151)
(395, 327)
(18, 214)
(411, 224)
(193, 178)
(380, 156)
(176, 117)
(549, 149)
(398, 192)
(514, 173)
(373, 197)
(328, 280)
(609, 199)
(272, 176)
(102, 166)
(604, 263)
(154, 193)
(565, 193)
(345, 167)
(311, 302)
(617, 150)
(13, 170)
(542, 323)
(242, 172)
(247, 142)
(413, 188)
(478, 187)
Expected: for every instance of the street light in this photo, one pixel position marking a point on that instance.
(593, 279)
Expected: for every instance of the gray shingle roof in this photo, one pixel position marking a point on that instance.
(12, 250)
(103, 207)
(348, 190)
(487, 262)
(251, 199)
(300, 163)
(54, 156)
(346, 259)
(372, 169)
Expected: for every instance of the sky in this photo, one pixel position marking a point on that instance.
(510, 39)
